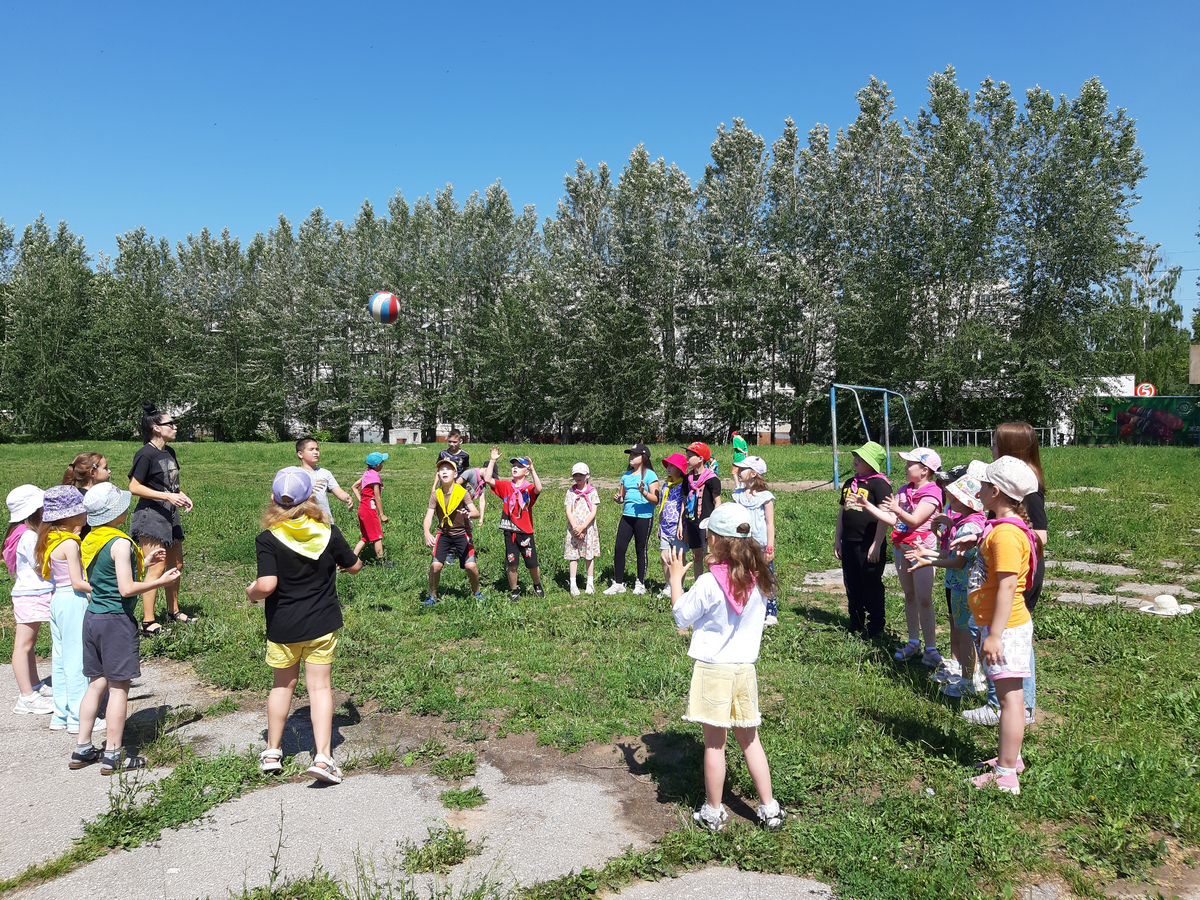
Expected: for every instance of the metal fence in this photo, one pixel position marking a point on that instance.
(978, 437)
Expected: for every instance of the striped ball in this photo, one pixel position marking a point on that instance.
(384, 307)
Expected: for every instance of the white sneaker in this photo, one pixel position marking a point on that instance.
(33, 705)
(591, 587)
(639, 588)
(947, 671)
(712, 819)
(665, 592)
(574, 589)
(616, 588)
(770, 620)
(986, 715)
(45, 688)
(98, 725)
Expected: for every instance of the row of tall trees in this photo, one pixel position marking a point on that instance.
(978, 257)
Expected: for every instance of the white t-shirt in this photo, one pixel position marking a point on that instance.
(754, 504)
(28, 580)
(323, 482)
(719, 635)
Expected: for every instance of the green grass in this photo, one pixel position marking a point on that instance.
(854, 741)
(460, 799)
(444, 849)
(456, 766)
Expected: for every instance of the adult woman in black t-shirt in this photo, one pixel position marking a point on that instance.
(1018, 439)
(154, 480)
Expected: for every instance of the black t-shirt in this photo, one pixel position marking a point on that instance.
(157, 470)
(709, 492)
(461, 459)
(305, 603)
(857, 524)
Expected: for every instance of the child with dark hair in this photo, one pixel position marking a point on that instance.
(299, 555)
(154, 480)
(726, 607)
(638, 496)
(454, 511)
(308, 451)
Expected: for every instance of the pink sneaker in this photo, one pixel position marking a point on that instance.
(991, 764)
(1007, 783)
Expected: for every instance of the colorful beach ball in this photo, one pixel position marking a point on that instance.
(384, 307)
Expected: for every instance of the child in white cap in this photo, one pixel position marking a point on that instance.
(726, 607)
(751, 493)
(30, 597)
(583, 535)
(1003, 569)
(299, 554)
(114, 568)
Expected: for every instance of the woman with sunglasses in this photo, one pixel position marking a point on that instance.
(154, 480)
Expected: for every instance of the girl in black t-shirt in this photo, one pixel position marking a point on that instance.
(299, 555)
(154, 480)
(859, 541)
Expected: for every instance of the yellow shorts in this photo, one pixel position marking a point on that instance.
(724, 695)
(318, 651)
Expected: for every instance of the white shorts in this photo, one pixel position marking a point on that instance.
(1016, 648)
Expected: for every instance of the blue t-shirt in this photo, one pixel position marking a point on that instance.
(635, 504)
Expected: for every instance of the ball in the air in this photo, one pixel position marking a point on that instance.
(384, 307)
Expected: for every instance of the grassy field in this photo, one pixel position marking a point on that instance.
(867, 755)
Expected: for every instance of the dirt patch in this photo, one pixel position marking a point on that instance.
(1179, 877)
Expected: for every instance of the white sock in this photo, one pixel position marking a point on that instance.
(1001, 771)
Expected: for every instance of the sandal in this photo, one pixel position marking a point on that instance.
(151, 629)
(111, 765)
(270, 760)
(324, 769)
(181, 616)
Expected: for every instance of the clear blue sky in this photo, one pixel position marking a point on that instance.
(181, 116)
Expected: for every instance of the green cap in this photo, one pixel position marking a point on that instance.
(873, 455)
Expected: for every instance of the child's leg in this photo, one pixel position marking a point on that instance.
(379, 550)
(624, 534)
(852, 581)
(89, 708)
(1012, 721)
(358, 548)
(665, 556)
(174, 560)
(641, 542)
(536, 574)
(73, 684)
(279, 703)
(923, 585)
(756, 762)
(24, 661)
(573, 565)
(591, 569)
(714, 765)
(318, 681)
(152, 572)
(435, 576)
(911, 617)
(472, 571)
(58, 672)
(118, 705)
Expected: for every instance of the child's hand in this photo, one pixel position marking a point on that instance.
(157, 555)
(941, 521)
(187, 502)
(890, 504)
(495, 453)
(916, 552)
(170, 576)
(350, 503)
(250, 591)
(966, 542)
(854, 501)
(837, 549)
(993, 650)
(677, 567)
(873, 553)
(429, 540)
(918, 562)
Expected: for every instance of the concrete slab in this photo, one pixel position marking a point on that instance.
(1087, 599)
(727, 884)
(1153, 590)
(1090, 568)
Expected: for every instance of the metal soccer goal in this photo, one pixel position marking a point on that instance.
(887, 442)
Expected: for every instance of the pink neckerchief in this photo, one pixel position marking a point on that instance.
(515, 503)
(858, 479)
(695, 482)
(976, 517)
(587, 489)
(720, 571)
(10, 548)
(991, 524)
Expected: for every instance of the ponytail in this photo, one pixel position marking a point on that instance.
(80, 472)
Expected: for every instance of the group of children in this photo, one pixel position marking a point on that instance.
(984, 524)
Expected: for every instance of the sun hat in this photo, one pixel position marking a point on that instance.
(873, 455)
(726, 518)
(757, 463)
(678, 460)
(1011, 477)
(519, 461)
(375, 458)
(966, 491)
(1166, 605)
(23, 502)
(700, 449)
(445, 462)
(292, 486)
(105, 502)
(924, 456)
(580, 468)
(62, 502)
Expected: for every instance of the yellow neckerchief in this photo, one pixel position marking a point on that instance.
(305, 535)
(662, 501)
(99, 538)
(53, 539)
(457, 495)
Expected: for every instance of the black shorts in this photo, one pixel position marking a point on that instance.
(518, 544)
(460, 544)
(110, 646)
(696, 537)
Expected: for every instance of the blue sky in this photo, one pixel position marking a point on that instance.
(181, 116)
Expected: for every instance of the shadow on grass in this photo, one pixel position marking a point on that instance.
(298, 733)
(936, 740)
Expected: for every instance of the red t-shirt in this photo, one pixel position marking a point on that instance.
(517, 514)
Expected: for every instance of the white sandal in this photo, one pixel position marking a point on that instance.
(325, 769)
(270, 760)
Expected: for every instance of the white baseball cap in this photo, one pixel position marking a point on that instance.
(1011, 477)
(726, 518)
(580, 468)
(757, 463)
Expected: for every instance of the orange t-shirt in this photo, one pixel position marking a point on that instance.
(1005, 549)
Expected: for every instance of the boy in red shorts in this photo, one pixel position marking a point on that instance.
(368, 491)
(454, 509)
(516, 518)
